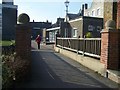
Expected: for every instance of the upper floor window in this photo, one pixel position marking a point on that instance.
(88, 14)
(90, 28)
(93, 13)
(99, 28)
(98, 11)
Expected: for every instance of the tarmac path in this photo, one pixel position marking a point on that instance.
(50, 70)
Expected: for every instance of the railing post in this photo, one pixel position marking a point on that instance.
(83, 45)
(78, 45)
(62, 43)
(55, 40)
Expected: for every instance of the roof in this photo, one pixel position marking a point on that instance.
(55, 25)
(73, 16)
(9, 6)
(53, 29)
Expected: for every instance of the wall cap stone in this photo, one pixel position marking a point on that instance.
(110, 25)
(23, 18)
(109, 30)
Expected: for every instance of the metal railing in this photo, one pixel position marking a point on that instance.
(87, 46)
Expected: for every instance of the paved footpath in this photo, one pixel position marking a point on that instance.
(53, 70)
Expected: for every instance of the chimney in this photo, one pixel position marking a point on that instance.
(82, 10)
(83, 7)
(10, 2)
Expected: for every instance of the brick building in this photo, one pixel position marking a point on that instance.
(38, 27)
(82, 25)
(49, 34)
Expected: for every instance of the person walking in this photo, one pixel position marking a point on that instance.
(38, 40)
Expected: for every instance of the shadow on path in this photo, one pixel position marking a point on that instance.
(49, 71)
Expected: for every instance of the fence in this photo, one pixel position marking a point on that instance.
(86, 46)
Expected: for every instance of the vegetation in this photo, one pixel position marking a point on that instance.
(7, 43)
(8, 47)
(13, 69)
(88, 35)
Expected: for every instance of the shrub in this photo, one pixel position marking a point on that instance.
(88, 35)
(13, 69)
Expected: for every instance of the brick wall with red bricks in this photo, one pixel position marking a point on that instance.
(104, 48)
(109, 49)
(118, 14)
(23, 41)
(118, 26)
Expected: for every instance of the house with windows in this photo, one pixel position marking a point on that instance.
(49, 34)
(96, 9)
(87, 20)
(38, 27)
(83, 25)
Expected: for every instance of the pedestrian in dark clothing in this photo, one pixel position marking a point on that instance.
(38, 40)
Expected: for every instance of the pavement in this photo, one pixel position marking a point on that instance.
(50, 69)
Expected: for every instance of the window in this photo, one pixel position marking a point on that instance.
(90, 27)
(93, 13)
(99, 28)
(88, 14)
(74, 32)
(98, 11)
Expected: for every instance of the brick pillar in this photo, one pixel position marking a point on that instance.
(23, 40)
(118, 14)
(23, 37)
(109, 46)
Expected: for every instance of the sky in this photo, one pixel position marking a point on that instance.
(43, 10)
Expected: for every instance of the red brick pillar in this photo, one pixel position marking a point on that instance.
(118, 14)
(118, 25)
(23, 41)
(109, 46)
(23, 37)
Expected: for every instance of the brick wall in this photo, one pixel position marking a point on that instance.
(104, 48)
(118, 26)
(23, 41)
(113, 59)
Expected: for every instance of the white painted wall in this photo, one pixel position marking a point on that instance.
(97, 5)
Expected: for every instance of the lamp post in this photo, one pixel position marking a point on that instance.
(66, 29)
